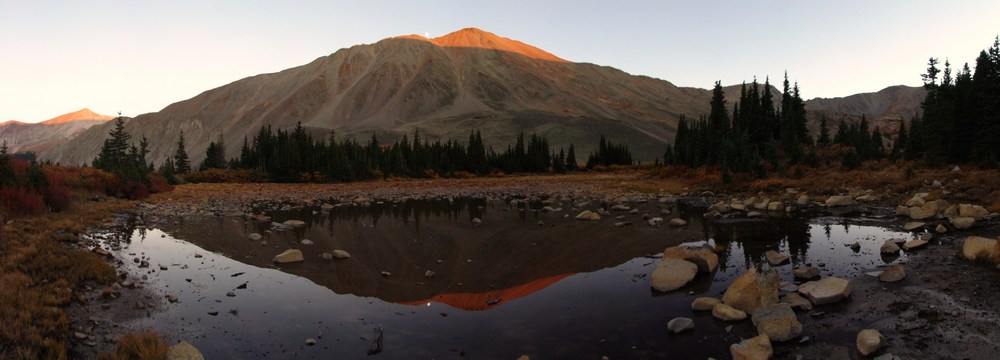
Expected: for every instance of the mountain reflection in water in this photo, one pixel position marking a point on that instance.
(565, 288)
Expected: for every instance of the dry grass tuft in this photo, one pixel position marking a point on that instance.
(144, 345)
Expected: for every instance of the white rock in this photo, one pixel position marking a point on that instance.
(680, 324)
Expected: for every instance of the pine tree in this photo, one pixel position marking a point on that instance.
(181, 162)
(571, 163)
(824, 133)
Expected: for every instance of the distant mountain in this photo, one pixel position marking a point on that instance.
(445, 87)
(885, 108)
(42, 136)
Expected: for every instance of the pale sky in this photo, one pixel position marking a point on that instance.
(140, 56)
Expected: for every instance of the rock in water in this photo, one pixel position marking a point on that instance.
(914, 244)
(804, 272)
(889, 247)
(869, 341)
(910, 226)
(375, 346)
(295, 223)
(826, 291)
(704, 303)
(919, 213)
(680, 324)
(588, 215)
(755, 348)
(341, 254)
(184, 351)
(255, 237)
(893, 274)
(290, 255)
(980, 248)
(777, 321)
(727, 313)
(677, 222)
(672, 274)
(775, 258)
(702, 256)
(796, 301)
(754, 288)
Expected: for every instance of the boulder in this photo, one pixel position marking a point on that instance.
(839, 200)
(866, 198)
(805, 272)
(341, 254)
(803, 200)
(326, 207)
(677, 222)
(727, 313)
(754, 288)
(974, 211)
(826, 291)
(290, 255)
(892, 274)
(702, 256)
(184, 351)
(914, 244)
(936, 206)
(704, 303)
(919, 213)
(680, 324)
(963, 223)
(916, 201)
(775, 258)
(762, 204)
(980, 248)
(777, 321)
(889, 247)
(588, 215)
(775, 206)
(755, 348)
(754, 214)
(737, 206)
(940, 229)
(255, 237)
(913, 225)
(797, 302)
(672, 274)
(869, 341)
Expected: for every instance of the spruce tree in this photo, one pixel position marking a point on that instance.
(181, 163)
(824, 133)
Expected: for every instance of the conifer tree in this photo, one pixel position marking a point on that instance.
(181, 163)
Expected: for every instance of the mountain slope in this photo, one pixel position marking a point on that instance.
(445, 87)
(41, 137)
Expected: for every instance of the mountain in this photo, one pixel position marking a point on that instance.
(445, 87)
(41, 137)
(885, 108)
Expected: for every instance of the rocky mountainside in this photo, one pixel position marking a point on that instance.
(885, 108)
(445, 87)
(41, 137)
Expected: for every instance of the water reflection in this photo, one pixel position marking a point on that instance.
(564, 289)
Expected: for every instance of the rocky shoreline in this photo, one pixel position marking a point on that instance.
(939, 300)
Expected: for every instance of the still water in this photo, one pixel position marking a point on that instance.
(523, 282)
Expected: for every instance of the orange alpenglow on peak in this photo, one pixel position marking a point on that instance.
(476, 38)
(82, 114)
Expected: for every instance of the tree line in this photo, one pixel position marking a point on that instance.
(295, 155)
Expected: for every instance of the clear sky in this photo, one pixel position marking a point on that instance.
(140, 56)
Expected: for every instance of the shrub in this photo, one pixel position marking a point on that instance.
(144, 345)
(18, 201)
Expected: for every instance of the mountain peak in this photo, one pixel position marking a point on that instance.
(82, 114)
(477, 38)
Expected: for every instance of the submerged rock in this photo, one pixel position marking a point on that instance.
(889, 247)
(680, 324)
(677, 222)
(704, 303)
(775, 258)
(839, 200)
(294, 223)
(805, 272)
(914, 244)
(588, 215)
(893, 274)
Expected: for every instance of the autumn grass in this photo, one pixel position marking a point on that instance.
(143, 345)
(40, 275)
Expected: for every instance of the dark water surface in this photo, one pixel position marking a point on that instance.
(505, 288)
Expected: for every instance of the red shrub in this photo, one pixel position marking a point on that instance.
(18, 201)
(158, 184)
